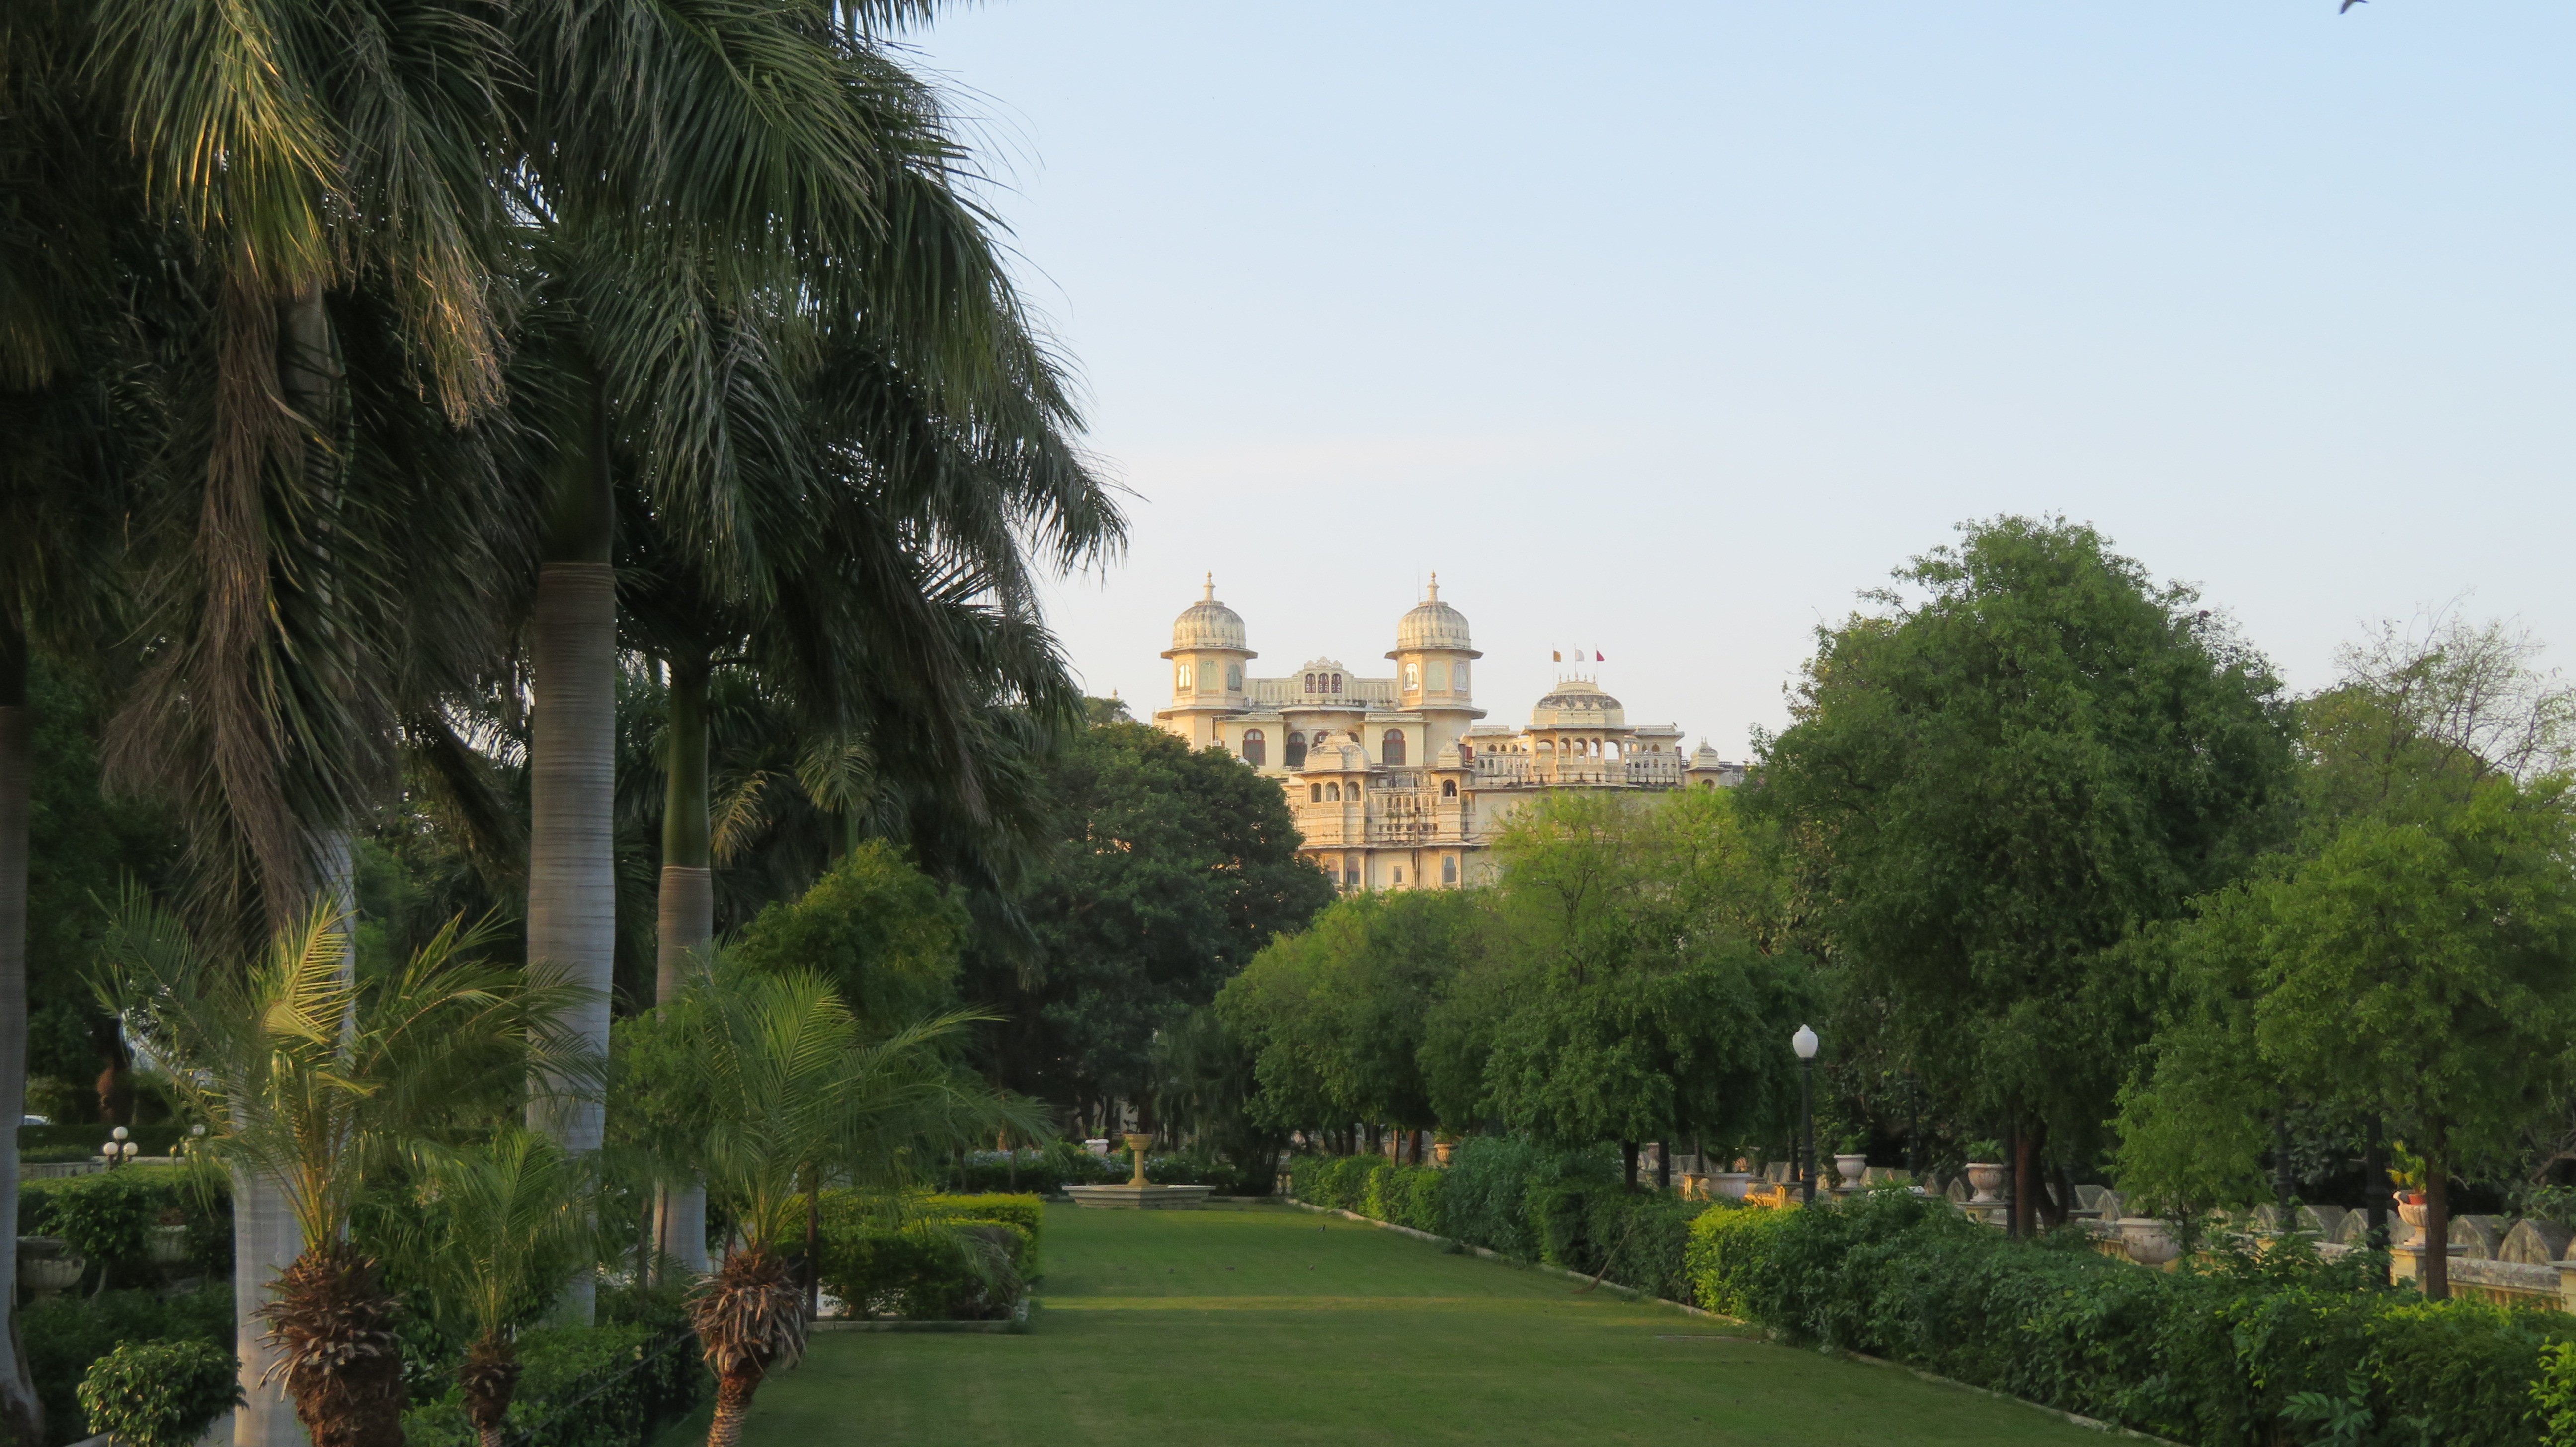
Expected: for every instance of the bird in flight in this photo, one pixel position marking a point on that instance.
(2348, 4)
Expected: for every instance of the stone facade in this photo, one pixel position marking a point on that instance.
(1395, 782)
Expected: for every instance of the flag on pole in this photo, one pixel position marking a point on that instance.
(1558, 655)
(1597, 658)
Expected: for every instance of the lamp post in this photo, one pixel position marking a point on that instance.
(1804, 1042)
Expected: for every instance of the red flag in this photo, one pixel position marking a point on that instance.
(1597, 658)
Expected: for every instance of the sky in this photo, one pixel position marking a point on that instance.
(1668, 330)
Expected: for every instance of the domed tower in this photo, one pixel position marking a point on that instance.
(1432, 653)
(1207, 655)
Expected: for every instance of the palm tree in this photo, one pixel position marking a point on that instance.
(793, 1091)
(315, 1083)
(498, 1228)
(725, 198)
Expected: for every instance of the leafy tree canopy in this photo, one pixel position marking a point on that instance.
(2031, 751)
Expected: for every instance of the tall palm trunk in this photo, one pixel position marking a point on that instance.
(21, 1415)
(266, 1241)
(572, 757)
(687, 918)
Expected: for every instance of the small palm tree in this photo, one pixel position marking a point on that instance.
(494, 1232)
(797, 1092)
(317, 1083)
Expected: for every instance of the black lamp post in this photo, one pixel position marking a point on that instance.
(1804, 1042)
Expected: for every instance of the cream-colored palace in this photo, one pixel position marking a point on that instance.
(1394, 783)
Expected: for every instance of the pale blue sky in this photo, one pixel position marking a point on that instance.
(1664, 329)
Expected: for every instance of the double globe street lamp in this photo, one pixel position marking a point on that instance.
(1804, 1042)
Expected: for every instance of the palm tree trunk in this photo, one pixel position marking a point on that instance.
(22, 1417)
(687, 917)
(572, 765)
(733, 1404)
(266, 1240)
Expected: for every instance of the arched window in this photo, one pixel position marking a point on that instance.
(1332, 793)
(1708, 783)
(1337, 683)
(1462, 675)
(1391, 749)
(1180, 677)
(1448, 869)
(1439, 675)
(1234, 678)
(1314, 793)
(1295, 754)
(1412, 677)
(1207, 675)
(1448, 788)
(1310, 683)
(1254, 750)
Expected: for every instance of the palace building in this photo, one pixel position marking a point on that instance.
(1394, 782)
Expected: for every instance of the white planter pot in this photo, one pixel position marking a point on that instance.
(1851, 1168)
(166, 1245)
(1731, 1184)
(2149, 1240)
(47, 1265)
(1985, 1178)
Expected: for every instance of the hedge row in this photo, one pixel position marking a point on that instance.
(941, 1258)
(1567, 1209)
(66, 1334)
(107, 1216)
(2239, 1350)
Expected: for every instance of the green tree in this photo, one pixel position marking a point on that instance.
(1646, 989)
(884, 935)
(1995, 780)
(1334, 1014)
(1172, 868)
(2426, 972)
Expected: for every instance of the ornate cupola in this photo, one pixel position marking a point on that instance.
(1208, 654)
(1432, 653)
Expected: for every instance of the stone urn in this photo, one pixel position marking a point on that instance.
(1851, 1169)
(2410, 1208)
(2149, 1240)
(166, 1245)
(48, 1266)
(1986, 1178)
(1441, 1151)
(1731, 1185)
(1136, 1142)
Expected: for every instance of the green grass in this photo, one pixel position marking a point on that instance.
(1270, 1325)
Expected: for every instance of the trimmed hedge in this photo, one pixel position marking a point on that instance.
(107, 1215)
(1568, 1209)
(2236, 1351)
(581, 1386)
(952, 1258)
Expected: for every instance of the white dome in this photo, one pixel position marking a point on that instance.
(1578, 703)
(1208, 623)
(1432, 624)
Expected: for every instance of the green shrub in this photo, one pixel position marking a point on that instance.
(159, 1393)
(2236, 1351)
(583, 1386)
(65, 1335)
(1725, 1259)
(947, 1258)
(106, 1215)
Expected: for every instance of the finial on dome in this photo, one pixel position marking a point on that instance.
(1208, 593)
(1435, 589)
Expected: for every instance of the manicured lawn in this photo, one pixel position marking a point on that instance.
(1266, 1324)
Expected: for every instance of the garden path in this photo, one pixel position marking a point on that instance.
(1271, 1325)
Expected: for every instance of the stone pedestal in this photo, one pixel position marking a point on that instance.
(2406, 1263)
(1133, 1197)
